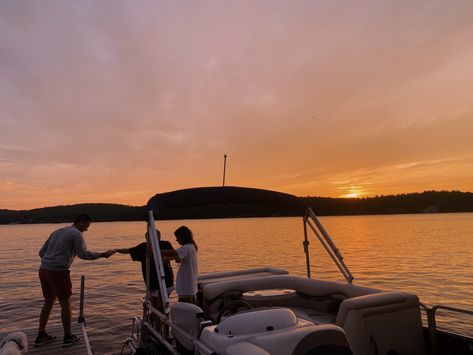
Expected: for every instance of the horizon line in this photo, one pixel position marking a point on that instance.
(338, 198)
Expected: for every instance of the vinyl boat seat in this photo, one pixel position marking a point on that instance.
(374, 321)
(274, 331)
(319, 295)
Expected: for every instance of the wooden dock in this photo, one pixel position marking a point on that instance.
(82, 347)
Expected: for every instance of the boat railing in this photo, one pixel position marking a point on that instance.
(432, 322)
(311, 220)
(158, 263)
(201, 347)
(132, 341)
(162, 335)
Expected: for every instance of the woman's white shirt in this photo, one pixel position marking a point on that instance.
(186, 279)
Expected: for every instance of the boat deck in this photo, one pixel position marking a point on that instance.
(82, 347)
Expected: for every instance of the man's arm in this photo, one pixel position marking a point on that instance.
(83, 253)
(123, 251)
(170, 255)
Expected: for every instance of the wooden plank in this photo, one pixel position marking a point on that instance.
(80, 348)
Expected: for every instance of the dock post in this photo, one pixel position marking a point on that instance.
(81, 318)
(432, 326)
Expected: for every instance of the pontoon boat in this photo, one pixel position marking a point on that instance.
(268, 311)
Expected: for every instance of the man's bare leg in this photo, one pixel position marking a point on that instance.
(45, 313)
(66, 315)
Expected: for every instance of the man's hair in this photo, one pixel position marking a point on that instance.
(82, 218)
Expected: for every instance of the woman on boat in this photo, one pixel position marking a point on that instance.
(186, 255)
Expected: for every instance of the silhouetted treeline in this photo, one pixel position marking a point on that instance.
(100, 212)
(425, 202)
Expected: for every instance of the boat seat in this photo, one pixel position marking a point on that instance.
(208, 278)
(245, 347)
(324, 296)
(189, 318)
(327, 339)
(274, 331)
(382, 323)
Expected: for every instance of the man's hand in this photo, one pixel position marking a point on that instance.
(108, 253)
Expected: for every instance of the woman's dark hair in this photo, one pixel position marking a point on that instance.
(186, 235)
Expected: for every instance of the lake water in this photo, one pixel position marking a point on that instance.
(430, 255)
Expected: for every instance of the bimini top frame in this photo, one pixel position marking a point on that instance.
(311, 220)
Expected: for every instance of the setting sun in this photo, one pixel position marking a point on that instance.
(352, 195)
(354, 192)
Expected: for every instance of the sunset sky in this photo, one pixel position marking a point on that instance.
(114, 101)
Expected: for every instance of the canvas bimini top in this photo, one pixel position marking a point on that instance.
(218, 197)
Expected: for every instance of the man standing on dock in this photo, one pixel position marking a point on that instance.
(57, 255)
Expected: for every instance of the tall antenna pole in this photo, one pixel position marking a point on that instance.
(224, 166)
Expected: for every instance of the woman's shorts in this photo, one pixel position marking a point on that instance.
(55, 283)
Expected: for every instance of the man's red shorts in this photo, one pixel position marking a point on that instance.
(55, 283)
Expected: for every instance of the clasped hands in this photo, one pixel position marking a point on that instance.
(109, 253)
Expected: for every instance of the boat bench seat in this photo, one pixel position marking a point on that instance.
(387, 322)
(318, 295)
(212, 277)
(375, 322)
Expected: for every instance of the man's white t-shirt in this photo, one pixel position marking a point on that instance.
(186, 279)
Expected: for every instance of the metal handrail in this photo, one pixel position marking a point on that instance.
(81, 318)
(327, 243)
(176, 329)
(158, 262)
(432, 322)
(86, 340)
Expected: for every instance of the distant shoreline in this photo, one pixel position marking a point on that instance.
(414, 203)
(279, 216)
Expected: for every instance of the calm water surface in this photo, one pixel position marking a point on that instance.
(430, 255)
